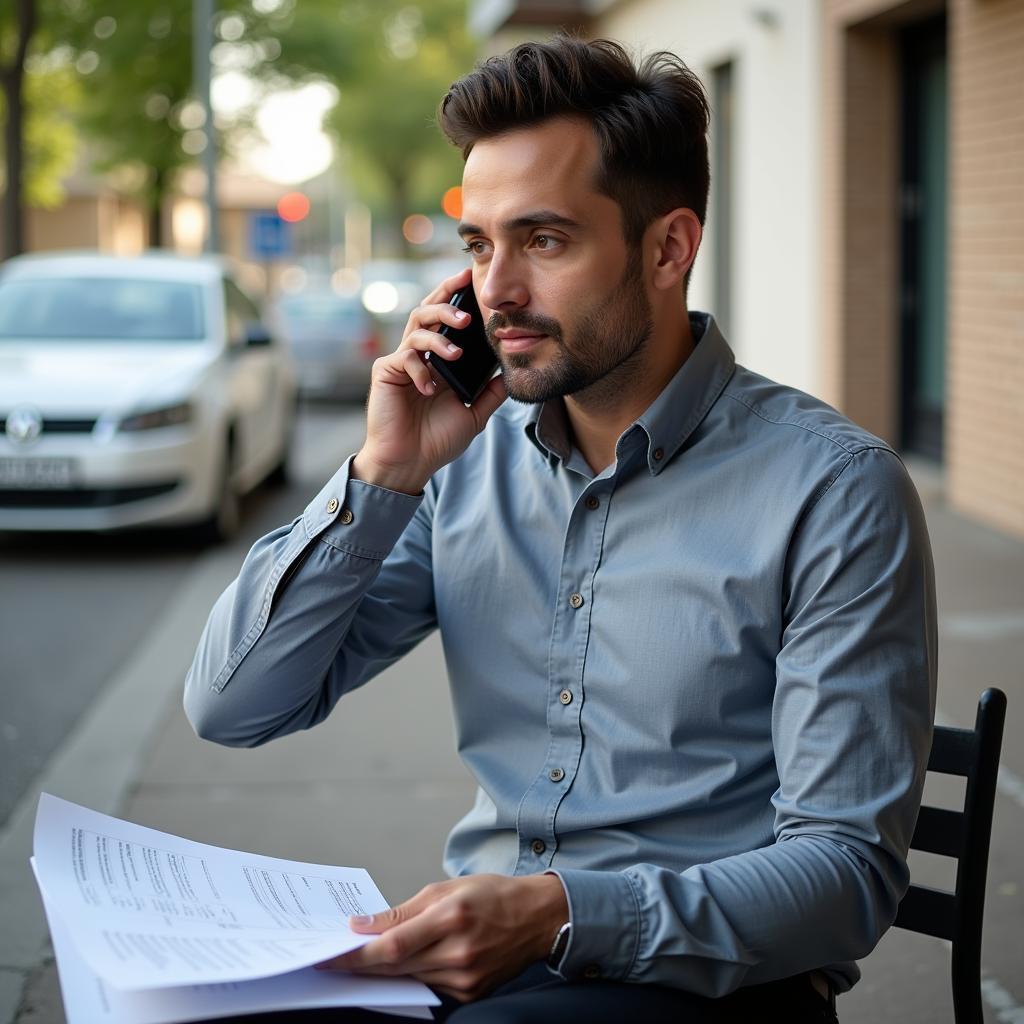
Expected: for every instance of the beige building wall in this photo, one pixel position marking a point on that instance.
(776, 280)
(104, 222)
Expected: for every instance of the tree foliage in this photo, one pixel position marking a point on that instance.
(52, 97)
(123, 71)
(386, 113)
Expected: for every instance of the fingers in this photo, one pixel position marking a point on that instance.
(435, 309)
(397, 949)
(396, 943)
(432, 317)
(443, 292)
(421, 332)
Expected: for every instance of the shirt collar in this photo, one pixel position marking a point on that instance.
(671, 417)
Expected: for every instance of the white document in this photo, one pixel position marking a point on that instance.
(144, 910)
(87, 1000)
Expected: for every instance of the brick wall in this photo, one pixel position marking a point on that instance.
(860, 228)
(985, 389)
(984, 428)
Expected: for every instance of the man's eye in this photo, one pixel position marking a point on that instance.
(474, 248)
(545, 242)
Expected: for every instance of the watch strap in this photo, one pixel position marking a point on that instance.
(559, 947)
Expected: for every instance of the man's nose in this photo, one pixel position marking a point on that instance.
(504, 287)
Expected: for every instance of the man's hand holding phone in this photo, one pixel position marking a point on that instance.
(415, 424)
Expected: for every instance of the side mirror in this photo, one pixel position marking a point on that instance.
(256, 335)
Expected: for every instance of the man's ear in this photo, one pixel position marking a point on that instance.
(675, 239)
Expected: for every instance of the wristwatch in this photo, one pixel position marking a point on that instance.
(559, 948)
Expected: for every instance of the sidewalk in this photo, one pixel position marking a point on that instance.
(379, 784)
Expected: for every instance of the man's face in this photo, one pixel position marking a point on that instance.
(562, 293)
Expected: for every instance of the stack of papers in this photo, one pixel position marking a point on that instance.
(150, 928)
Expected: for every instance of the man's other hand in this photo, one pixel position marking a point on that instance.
(463, 937)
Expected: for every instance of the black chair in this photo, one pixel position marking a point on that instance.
(964, 835)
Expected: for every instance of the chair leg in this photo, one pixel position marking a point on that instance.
(966, 975)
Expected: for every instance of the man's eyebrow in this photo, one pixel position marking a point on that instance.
(536, 219)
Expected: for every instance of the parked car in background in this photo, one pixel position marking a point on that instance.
(135, 392)
(333, 340)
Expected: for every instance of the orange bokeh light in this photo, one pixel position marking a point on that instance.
(452, 202)
(293, 206)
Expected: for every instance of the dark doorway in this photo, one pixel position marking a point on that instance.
(923, 236)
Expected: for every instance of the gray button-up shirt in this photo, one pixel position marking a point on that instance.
(698, 685)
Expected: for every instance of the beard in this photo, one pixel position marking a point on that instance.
(597, 363)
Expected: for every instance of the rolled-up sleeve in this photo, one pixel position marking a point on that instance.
(851, 728)
(312, 615)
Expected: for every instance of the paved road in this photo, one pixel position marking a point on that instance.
(340, 794)
(76, 605)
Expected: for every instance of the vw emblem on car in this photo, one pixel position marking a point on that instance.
(24, 425)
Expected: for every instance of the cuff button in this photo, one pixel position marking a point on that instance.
(332, 506)
(591, 971)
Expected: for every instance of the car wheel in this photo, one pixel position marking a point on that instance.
(225, 519)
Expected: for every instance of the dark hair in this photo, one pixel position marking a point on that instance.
(651, 121)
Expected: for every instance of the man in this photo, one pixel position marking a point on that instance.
(688, 613)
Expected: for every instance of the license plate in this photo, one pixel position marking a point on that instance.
(37, 474)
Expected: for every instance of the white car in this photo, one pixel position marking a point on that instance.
(135, 392)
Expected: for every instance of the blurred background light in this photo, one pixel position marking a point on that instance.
(293, 279)
(346, 281)
(293, 207)
(193, 142)
(452, 202)
(189, 224)
(380, 297)
(417, 229)
(295, 147)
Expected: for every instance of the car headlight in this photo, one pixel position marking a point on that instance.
(169, 416)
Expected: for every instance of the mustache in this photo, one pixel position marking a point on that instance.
(522, 321)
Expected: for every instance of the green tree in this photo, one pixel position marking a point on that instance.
(18, 25)
(140, 110)
(386, 111)
(135, 62)
(53, 95)
(390, 59)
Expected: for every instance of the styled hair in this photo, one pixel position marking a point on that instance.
(651, 120)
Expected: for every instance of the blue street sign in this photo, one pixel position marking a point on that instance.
(270, 237)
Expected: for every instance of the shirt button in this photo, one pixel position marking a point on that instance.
(346, 516)
(593, 503)
(659, 454)
(565, 696)
(591, 971)
(332, 506)
(576, 600)
(556, 775)
(538, 846)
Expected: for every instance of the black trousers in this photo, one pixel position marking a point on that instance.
(537, 997)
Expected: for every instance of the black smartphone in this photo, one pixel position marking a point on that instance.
(468, 375)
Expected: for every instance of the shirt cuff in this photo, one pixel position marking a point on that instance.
(605, 915)
(359, 518)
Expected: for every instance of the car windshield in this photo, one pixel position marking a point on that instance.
(100, 308)
(318, 310)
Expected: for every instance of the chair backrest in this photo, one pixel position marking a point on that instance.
(963, 835)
